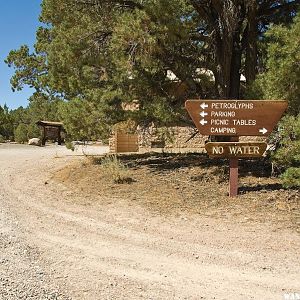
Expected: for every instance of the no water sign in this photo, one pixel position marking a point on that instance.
(236, 149)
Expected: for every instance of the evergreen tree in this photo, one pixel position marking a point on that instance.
(107, 53)
(6, 123)
(281, 80)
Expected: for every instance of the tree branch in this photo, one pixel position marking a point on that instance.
(271, 10)
(130, 4)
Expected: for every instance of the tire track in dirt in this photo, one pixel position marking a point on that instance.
(119, 252)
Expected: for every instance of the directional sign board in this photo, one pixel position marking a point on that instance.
(236, 150)
(235, 117)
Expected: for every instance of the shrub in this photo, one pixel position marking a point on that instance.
(2, 140)
(21, 133)
(287, 157)
(33, 131)
(69, 145)
(115, 170)
(291, 177)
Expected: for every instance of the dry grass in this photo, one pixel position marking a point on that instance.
(113, 169)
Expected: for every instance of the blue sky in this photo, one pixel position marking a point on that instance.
(18, 24)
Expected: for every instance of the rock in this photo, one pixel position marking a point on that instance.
(34, 142)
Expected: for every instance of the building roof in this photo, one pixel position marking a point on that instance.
(49, 123)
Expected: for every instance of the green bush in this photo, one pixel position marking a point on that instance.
(291, 177)
(2, 140)
(33, 131)
(287, 157)
(21, 133)
(69, 145)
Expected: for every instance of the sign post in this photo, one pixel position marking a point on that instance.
(233, 172)
(232, 119)
(233, 177)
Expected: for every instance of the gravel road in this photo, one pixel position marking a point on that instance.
(56, 246)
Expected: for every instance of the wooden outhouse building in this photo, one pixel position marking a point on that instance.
(51, 131)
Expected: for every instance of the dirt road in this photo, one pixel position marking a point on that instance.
(54, 246)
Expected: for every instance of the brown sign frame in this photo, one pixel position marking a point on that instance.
(235, 117)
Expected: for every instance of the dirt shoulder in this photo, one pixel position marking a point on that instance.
(99, 240)
(170, 184)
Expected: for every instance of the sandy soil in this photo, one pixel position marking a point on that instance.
(77, 245)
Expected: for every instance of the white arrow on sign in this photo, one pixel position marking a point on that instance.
(203, 114)
(204, 105)
(263, 130)
(203, 122)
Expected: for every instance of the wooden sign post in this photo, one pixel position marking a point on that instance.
(234, 151)
(233, 177)
(233, 172)
(232, 119)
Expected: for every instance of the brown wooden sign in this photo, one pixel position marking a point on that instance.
(236, 149)
(235, 117)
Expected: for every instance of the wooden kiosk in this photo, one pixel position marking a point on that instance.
(51, 131)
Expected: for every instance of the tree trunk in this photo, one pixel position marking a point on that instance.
(235, 74)
(223, 58)
(251, 50)
(229, 66)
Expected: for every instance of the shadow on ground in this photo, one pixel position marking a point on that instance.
(163, 162)
(261, 188)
